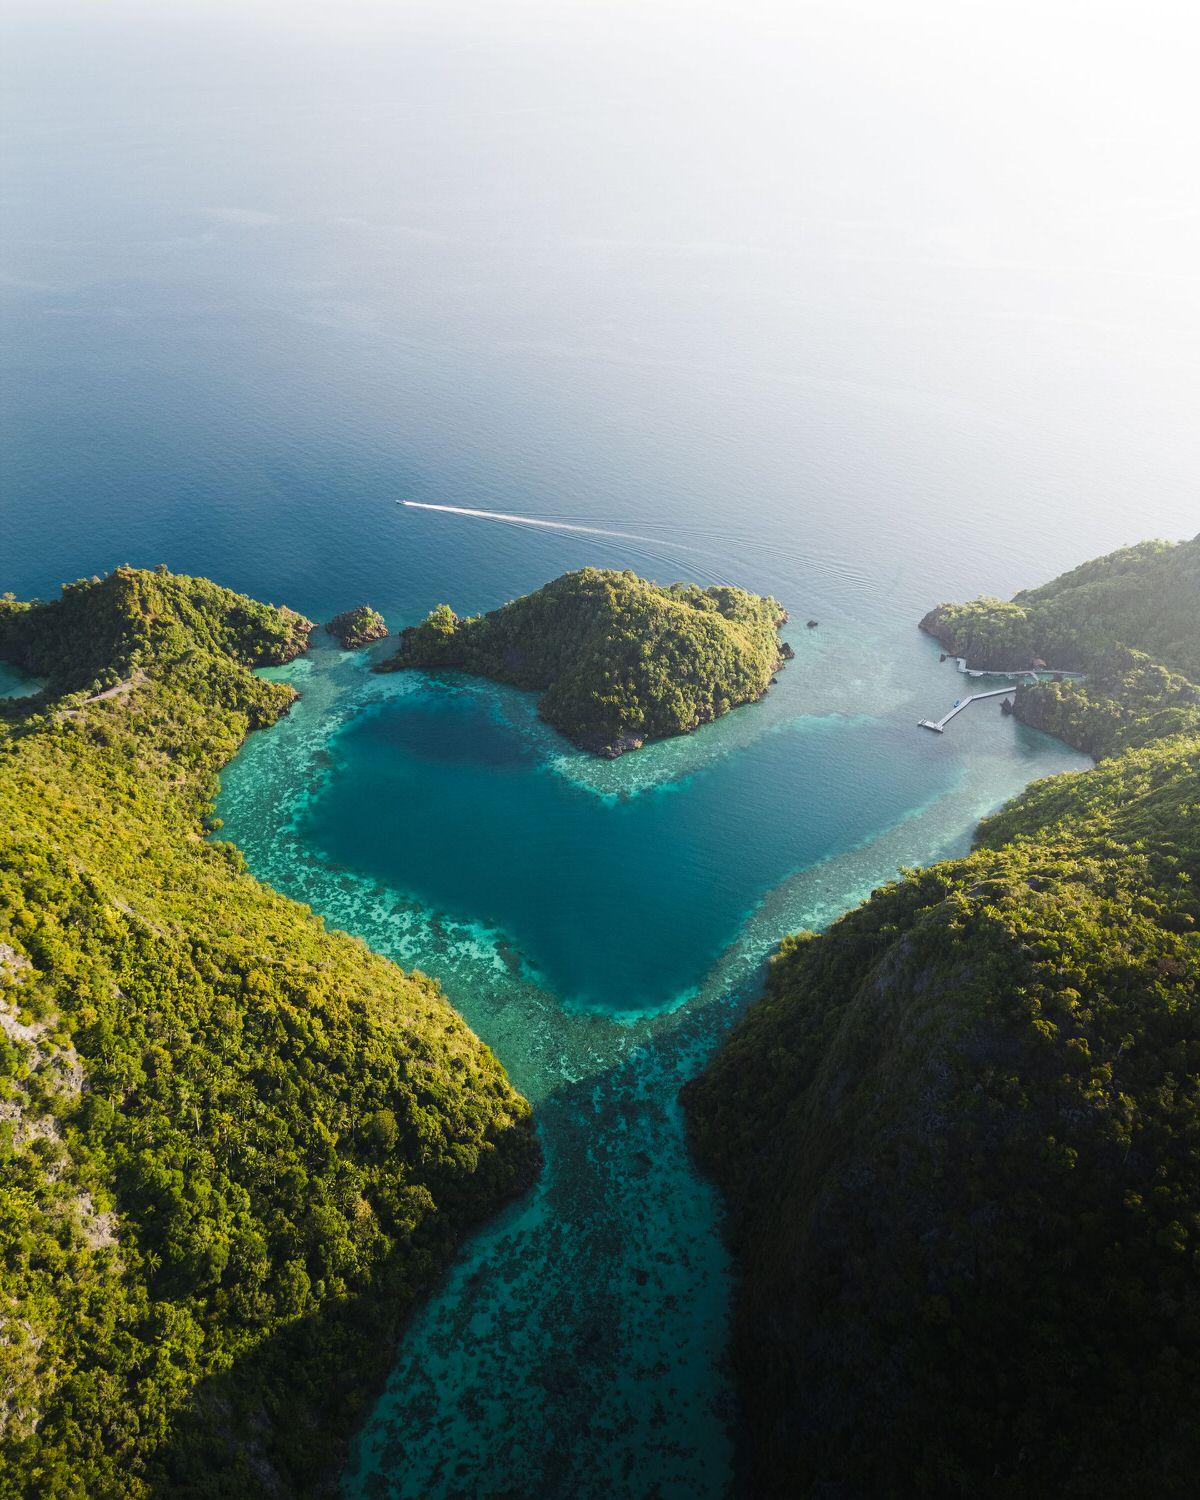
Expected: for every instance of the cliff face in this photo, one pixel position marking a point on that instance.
(235, 1145)
(956, 1135)
(618, 661)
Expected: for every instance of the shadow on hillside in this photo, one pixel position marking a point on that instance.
(553, 1315)
(277, 1422)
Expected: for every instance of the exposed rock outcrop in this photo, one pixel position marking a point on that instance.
(358, 627)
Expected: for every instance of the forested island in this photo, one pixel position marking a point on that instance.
(617, 660)
(357, 627)
(235, 1145)
(959, 1136)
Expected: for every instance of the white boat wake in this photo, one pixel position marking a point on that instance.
(499, 515)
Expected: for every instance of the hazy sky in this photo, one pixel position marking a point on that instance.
(958, 243)
(1000, 133)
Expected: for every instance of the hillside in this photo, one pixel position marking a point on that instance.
(1145, 598)
(618, 661)
(959, 1135)
(235, 1144)
(1128, 620)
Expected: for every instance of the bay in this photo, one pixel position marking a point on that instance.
(860, 312)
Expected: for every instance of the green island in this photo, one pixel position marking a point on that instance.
(959, 1136)
(235, 1145)
(617, 660)
(358, 627)
(1129, 621)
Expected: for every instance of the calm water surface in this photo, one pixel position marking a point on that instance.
(858, 306)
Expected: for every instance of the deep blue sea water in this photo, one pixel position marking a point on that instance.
(860, 312)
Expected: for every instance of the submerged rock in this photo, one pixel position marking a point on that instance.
(611, 749)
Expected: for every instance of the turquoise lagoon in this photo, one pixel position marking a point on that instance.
(600, 925)
(791, 295)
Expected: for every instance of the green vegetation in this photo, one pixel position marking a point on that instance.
(1126, 701)
(1145, 597)
(235, 1144)
(960, 1134)
(358, 627)
(618, 660)
(1128, 620)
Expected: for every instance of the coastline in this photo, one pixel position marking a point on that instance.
(600, 1082)
(167, 897)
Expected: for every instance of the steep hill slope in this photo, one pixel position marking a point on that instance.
(235, 1144)
(1145, 598)
(960, 1141)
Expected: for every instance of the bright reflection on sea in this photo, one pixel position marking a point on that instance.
(860, 304)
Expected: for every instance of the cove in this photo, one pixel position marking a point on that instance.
(620, 903)
(576, 1346)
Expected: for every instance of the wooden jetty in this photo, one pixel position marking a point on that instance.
(1032, 675)
(938, 725)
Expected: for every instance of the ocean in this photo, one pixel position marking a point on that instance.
(861, 306)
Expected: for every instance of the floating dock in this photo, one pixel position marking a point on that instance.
(939, 725)
(1032, 675)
